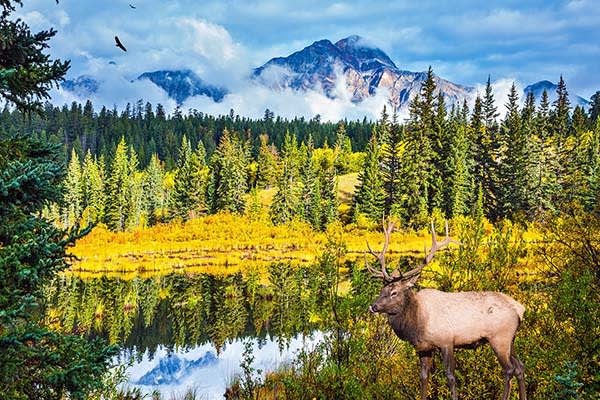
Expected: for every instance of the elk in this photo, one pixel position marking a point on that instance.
(432, 320)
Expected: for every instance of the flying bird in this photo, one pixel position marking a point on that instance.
(132, 6)
(119, 44)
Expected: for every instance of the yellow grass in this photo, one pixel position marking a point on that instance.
(220, 244)
(225, 244)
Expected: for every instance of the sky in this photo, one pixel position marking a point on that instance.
(222, 40)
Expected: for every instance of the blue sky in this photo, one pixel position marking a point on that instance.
(464, 41)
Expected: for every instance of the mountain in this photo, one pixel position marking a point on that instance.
(83, 85)
(538, 88)
(178, 84)
(363, 68)
(171, 369)
(182, 84)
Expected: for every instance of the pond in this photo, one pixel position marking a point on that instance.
(183, 331)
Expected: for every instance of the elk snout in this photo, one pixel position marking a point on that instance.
(373, 308)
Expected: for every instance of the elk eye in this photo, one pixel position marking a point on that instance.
(393, 293)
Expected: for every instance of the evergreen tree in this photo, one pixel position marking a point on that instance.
(118, 190)
(93, 188)
(154, 189)
(182, 197)
(342, 151)
(310, 196)
(228, 175)
(73, 192)
(594, 111)
(391, 155)
(580, 122)
(200, 173)
(329, 199)
(136, 195)
(515, 175)
(562, 106)
(369, 199)
(35, 362)
(489, 109)
(267, 163)
(286, 202)
(459, 183)
(440, 154)
(486, 143)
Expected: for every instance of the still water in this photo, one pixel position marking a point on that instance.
(188, 331)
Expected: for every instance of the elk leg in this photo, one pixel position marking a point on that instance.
(450, 364)
(426, 361)
(503, 352)
(519, 372)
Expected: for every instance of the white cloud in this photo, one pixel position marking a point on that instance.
(211, 41)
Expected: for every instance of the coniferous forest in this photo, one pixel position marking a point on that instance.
(140, 167)
(134, 237)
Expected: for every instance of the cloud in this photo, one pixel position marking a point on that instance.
(463, 40)
(211, 41)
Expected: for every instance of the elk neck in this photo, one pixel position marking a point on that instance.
(407, 321)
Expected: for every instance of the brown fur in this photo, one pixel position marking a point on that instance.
(433, 320)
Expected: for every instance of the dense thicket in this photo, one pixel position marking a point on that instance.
(35, 362)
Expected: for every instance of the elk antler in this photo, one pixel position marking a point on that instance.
(435, 246)
(387, 231)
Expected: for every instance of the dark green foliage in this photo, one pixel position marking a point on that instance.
(228, 179)
(390, 136)
(369, 199)
(26, 72)
(118, 207)
(182, 198)
(35, 362)
(560, 116)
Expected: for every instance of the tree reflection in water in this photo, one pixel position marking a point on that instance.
(182, 311)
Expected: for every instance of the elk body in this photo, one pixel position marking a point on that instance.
(433, 320)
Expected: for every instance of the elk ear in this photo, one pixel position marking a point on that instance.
(412, 281)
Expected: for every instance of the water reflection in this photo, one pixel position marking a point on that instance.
(181, 324)
(205, 371)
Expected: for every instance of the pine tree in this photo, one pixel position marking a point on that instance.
(118, 190)
(515, 175)
(580, 122)
(591, 193)
(267, 163)
(342, 150)
(200, 174)
(459, 183)
(440, 153)
(486, 143)
(228, 175)
(136, 195)
(93, 188)
(417, 174)
(594, 111)
(182, 197)
(35, 362)
(74, 192)
(286, 202)
(560, 116)
(391, 153)
(489, 109)
(154, 192)
(369, 199)
(310, 195)
(329, 199)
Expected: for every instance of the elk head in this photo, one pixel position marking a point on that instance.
(392, 297)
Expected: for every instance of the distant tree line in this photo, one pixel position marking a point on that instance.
(446, 161)
(151, 131)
